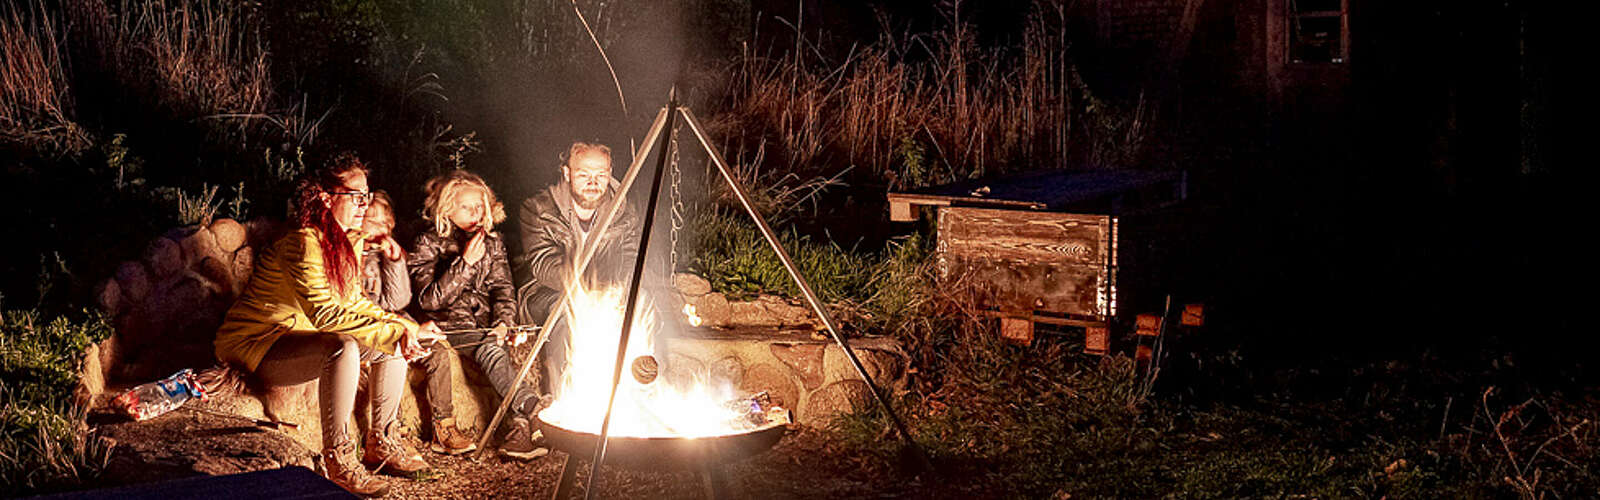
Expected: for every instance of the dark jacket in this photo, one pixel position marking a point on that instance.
(550, 241)
(457, 295)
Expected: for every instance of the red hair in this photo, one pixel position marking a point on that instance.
(338, 255)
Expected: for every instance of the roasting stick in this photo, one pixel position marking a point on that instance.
(234, 416)
(570, 287)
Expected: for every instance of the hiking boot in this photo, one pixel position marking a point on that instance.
(387, 450)
(449, 439)
(339, 465)
(519, 442)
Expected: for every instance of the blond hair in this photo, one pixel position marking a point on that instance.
(381, 201)
(443, 191)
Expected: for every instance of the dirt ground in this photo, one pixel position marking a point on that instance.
(806, 463)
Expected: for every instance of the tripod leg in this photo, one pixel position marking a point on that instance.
(715, 482)
(569, 478)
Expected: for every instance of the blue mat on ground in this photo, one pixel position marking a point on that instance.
(285, 483)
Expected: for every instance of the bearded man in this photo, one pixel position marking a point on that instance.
(556, 225)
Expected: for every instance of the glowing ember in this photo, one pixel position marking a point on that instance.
(687, 406)
(688, 314)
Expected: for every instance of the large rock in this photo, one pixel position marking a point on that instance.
(108, 297)
(690, 285)
(804, 359)
(133, 281)
(839, 397)
(219, 275)
(712, 308)
(474, 404)
(186, 443)
(751, 314)
(776, 381)
(229, 233)
(683, 370)
(200, 245)
(728, 370)
(164, 258)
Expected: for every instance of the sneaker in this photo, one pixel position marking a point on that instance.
(519, 442)
(449, 439)
(387, 450)
(340, 466)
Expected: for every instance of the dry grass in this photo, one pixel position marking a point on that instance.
(197, 58)
(35, 98)
(925, 109)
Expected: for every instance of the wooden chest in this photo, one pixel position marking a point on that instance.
(1041, 246)
(1021, 262)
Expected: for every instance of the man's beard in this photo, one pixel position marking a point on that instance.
(584, 202)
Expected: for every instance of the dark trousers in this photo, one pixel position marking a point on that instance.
(535, 308)
(437, 367)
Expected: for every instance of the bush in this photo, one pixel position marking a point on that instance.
(45, 442)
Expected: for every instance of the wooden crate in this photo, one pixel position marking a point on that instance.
(1028, 263)
(1040, 246)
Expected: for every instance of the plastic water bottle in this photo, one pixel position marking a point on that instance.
(154, 399)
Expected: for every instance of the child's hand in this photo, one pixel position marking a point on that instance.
(391, 248)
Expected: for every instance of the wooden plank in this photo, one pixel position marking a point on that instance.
(1193, 315)
(1030, 261)
(1097, 340)
(1011, 235)
(901, 211)
(1148, 325)
(1017, 330)
(945, 201)
(1045, 318)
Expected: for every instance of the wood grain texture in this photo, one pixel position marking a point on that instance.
(1029, 261)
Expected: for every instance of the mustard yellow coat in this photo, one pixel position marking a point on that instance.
(289, 294)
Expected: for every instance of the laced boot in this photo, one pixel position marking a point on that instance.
(340, 466)
(520, 441)
(387, 451)
(449, 439)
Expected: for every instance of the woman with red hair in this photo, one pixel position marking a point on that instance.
(303, 317)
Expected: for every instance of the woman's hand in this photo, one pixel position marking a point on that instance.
(412, 344)
(475, 248)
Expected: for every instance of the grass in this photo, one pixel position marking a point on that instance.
(35, 97)
(45, 443)
(917, 109)
(1049, 421)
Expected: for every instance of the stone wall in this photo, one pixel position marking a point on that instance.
(810, 377)
(166, 307)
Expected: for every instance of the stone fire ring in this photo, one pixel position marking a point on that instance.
(665, 453)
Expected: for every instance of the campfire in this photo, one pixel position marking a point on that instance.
(648, 404)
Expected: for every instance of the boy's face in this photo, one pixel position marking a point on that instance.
(377, 223)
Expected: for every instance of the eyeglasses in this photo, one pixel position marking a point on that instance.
(358, 197)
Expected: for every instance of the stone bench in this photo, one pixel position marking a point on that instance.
(165, 308)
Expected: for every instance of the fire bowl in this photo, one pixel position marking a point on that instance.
(665, 453)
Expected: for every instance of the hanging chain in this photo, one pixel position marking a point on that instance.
(677, 199)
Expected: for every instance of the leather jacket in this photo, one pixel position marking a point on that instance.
(549, 230)
(458, 295)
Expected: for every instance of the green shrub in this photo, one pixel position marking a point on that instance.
(736, 259)
(44, 441)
